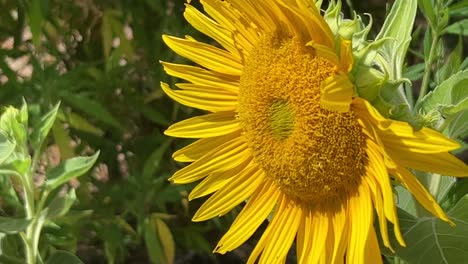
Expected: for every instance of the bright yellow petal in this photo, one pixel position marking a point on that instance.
(224, 157)
(325, 52)
(420, 193)
(242, 31)
(212, 29)
(379, 208)
(379, 175)
(336, 93)
(346, 55)
(210, 125)
(441, 163)
(425, 150)
(250, 218)
(372, 249)
(204, 100)
(341, 235)
(235, 192)
(283, 231)
(318, 28)
(303, 243)
(201, 76)
(256, 12)
(217, 180)
(208, 56)
(314, 232)
(201, 147)
(360, 222)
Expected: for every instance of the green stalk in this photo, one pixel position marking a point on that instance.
(33, 231)
(428, 67)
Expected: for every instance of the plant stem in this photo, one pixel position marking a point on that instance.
(428, 68)
(30, 250)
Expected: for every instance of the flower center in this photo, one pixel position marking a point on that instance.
(281, 119)
(311, 153)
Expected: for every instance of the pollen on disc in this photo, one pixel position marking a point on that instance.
(311, 153)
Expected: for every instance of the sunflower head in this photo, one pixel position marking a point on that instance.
(291, 131)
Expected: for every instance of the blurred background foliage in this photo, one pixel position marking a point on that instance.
(100, 59)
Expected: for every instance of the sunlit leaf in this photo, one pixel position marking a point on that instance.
(458, 28)
(13, 225)
(69, 169)
(431, 240)
(61, 204)
(41, 130)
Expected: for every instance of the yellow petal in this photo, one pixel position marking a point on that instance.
(250, 218)
(314, 232)
(217, 180)
(424, 150)
(420, 193)
(205, 55)
(201, 76)
(204, 100)
(360, 222)
(372, 249)
(336, 93)
(256, 12)
(340, 235)
(283, 231)
(303, 243)
(346, 56)
(212, 29)
(226, 156)
(325, 52)
(201, 147)
(244, 34)
(441, 163)
(235, 192)
(318, 28)
(210, 125)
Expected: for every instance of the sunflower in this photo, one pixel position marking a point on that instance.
(287, 133)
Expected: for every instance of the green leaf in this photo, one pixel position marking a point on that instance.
(450, 97)
(459, 9)
(61, 204)
(62, 257)
(153, 243)
(63, 140)
(430, 240)
(167, 241)
(41, 130)
(427, 8)
(6, 147)
(92, 108)
(15, 127)
(154, 160)
(159, 241)
(452, 64)
(457, 127)
(36, 19)
(68, 170)
(78, 122)
(458, 190)
(461, 12)
(13, 225)
(415, 72)
(396, 37)
(458, 28)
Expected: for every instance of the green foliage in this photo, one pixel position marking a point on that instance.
(18, 165)
(99, 59)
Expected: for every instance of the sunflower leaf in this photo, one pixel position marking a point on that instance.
(431, 240)
(450, 100)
